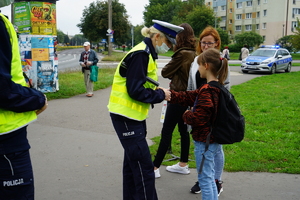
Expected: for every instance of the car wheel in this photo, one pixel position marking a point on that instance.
(273, 69)
(288, 68)
(244, 71)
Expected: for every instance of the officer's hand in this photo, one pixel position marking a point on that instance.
(167, 94)
(43, 108)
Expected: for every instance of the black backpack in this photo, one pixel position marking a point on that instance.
(229, 124)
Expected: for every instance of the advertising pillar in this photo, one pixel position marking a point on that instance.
(35, 22)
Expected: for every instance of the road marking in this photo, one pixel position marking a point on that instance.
(74, 57)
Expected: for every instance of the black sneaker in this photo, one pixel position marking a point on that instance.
(219, 186)
(196, 188)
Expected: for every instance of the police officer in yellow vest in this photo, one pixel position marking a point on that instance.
(19, 106)
(129, 103)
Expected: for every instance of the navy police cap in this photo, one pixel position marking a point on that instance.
(170, 30)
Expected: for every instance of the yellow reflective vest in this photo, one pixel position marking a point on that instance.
(120, 102)
(9, 120)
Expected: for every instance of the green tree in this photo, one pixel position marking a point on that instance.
(94, 22)
(77, 40)
(138, 37)
(252, 39)
(163, 10)
(66, 39)
(200, 17)
(60, 36)
(285, 42)
(185, 8)
(224, 37)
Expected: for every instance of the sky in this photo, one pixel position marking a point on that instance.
(69, 13)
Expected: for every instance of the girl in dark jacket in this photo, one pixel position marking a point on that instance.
(177, 70)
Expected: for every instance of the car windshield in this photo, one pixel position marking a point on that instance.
(264, 52)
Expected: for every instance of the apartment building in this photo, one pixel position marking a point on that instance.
(272, 19)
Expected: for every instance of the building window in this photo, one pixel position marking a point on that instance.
(265, 1)
(294, 25)
(264, 38)
(230, 10)
(238, 28)
(249, 3)
(265, 13)
(296, 11)
(248, 15)
(230, 21)
(294, 1)
(215, 9)
(224, 18)
(264, 25)
(239, 5)
(258, 2)
(223, 8)
(257, 14)
(238, 16)
(248, 27)
(257, 26)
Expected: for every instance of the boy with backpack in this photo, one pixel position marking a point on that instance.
(205, 103)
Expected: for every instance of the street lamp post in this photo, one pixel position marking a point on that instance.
(109, 27)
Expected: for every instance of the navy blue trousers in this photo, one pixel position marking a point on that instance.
(16, 176)
(138, 169)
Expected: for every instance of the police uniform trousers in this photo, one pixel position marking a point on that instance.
(138, 169)
(16, 176)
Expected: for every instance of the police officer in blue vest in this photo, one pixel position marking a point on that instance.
(131, 96)
(19, 106)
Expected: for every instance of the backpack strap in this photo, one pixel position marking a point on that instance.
(217, 85)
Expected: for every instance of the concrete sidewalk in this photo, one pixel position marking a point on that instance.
(76, 155)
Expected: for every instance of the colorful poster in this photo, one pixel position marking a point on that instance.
(22, 17)
(40, 47)
(47, 79)
(40, 54)
(43, 18)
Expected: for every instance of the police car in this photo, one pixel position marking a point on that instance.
(267, 59)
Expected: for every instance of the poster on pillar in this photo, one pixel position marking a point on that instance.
(43, 18)
(34, 17)
(22, 17)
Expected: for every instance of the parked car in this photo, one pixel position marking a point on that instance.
(268, 59)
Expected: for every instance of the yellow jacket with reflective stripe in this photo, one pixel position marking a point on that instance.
(120, 102)
(9, 120)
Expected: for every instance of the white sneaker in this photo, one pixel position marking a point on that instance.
(156, 173)
(177, 169)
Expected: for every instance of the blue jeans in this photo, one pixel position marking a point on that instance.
(207, 177)
(219, 163)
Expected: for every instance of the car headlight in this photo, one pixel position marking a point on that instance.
(266, 62)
